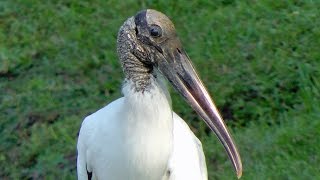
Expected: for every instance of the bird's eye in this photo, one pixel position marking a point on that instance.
(155, 31)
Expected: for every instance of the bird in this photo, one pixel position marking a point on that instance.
(139, 136)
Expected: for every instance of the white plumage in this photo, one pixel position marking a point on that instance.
(139, 137)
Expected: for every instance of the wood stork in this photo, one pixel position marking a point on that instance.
(138, 136)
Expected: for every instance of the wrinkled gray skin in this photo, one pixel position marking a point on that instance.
(134, 69)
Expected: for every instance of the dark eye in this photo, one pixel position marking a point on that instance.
(155, 31)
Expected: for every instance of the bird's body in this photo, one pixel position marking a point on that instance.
(160, 140)
(139, 137)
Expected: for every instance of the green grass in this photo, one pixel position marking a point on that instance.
(259, 59)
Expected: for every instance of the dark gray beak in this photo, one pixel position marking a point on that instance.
(178, 69)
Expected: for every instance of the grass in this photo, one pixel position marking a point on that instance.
(259, 59)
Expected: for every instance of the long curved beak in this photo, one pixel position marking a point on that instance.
(178, 69)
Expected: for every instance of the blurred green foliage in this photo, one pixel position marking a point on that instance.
(259, 59)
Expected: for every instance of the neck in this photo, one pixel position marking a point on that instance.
(153, 104)
(150, 128)
(137, 75)
(146, 86)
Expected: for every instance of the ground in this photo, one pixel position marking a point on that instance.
(260, 60)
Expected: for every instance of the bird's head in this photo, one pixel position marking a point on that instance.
(146, 42)
(149, 41)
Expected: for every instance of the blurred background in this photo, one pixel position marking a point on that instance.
(260, 60)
